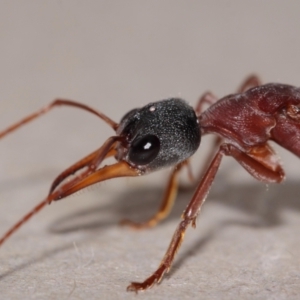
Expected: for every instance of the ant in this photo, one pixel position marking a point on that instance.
(166, 133)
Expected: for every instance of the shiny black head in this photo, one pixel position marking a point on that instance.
(158, 135)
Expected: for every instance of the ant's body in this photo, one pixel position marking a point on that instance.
(168, 132)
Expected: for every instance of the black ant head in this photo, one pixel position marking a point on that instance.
(158, 135)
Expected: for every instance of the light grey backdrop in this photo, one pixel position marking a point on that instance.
(114, 56)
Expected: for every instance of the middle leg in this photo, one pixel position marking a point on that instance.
(166, 205)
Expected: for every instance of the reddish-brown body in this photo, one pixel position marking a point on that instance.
(252, 118)
(168, 132)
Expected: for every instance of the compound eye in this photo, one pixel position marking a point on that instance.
(143, 150)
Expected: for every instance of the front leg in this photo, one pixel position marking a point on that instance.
(260, 162)
(250, 82)
(188, 217)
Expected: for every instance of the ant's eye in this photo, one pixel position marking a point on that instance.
(143, 150)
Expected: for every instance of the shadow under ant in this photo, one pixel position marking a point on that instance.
(263, 206)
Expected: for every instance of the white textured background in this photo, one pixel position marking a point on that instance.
(114, 56)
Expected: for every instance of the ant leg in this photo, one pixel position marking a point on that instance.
(188, 217)
(217, 140)
(260, 162)
(250, 82)
(166, 205)
(59, 102)
(207, 98)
